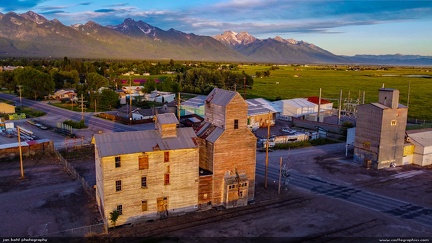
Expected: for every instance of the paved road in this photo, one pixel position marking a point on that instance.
(353, 195)
(88, 116)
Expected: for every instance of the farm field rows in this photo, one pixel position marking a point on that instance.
(287, 82)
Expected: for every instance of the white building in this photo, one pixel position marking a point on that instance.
(422, 141)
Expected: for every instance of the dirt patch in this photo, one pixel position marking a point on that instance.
(46, 201)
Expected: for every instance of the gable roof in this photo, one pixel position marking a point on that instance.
(423, 138)
(118, 143)
(197, 101)
(220, 96)
(315, 99)
(259, 106)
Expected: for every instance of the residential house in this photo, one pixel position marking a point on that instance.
(227, 151)
(160, 96)
(147, 174)
(68, 94)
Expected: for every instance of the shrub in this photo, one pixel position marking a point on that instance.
(74, 124)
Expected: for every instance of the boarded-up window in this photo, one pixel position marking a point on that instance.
(118, 186)
(144, 182)
(144, 205)
(166, 179)
(120, 209)
(143, 162)
(166, 156)
(117, 161)
(236, 124)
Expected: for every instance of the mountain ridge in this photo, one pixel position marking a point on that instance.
(32, 35)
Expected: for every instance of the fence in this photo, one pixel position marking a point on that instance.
(79, 232)
(123, 120)
(88, 189)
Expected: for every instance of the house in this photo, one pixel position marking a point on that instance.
(194, 105)
(147, 174)
(160, 96)
(259, 112)
(68, 94)
(380, 131)
(5, 108)
(227, 152)
(422, 151)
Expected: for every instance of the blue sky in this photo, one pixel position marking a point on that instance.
(341, 27)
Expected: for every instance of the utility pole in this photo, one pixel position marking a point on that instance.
(409, 88)
(267, 150)
(20, 152)
(19, 89)
(130, 99)
(178, 106)
(319, 106)
(280, 175)
(340, 107)
(82, 107)
(244, 85)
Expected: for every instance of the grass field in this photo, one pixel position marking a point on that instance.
(289, 82)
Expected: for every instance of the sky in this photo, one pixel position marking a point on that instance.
(341, 27)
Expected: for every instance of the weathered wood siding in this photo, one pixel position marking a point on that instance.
(234, 150)
(168, 130)
(206, 154)
(205, 190)
(182, 191)
(216, 114)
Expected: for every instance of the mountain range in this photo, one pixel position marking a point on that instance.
(32, 35)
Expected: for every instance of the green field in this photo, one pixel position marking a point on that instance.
(289, 82)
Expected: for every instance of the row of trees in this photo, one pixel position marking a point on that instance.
(41, 78)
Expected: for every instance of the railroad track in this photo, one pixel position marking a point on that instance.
(347, 231)
(173, 224)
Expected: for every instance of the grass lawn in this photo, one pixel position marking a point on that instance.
(289, 82)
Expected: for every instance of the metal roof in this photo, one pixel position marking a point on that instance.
(111, 144)
(196, 102)
(209, 132)
(259, 106)
(220, 96)
(423, 138)
(167, 118)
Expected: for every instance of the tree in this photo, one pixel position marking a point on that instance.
(114, 215)
(7, 80)
(108, 99)
(96, 81)
(35, 83)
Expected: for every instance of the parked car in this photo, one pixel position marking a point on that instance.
(31, 122)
